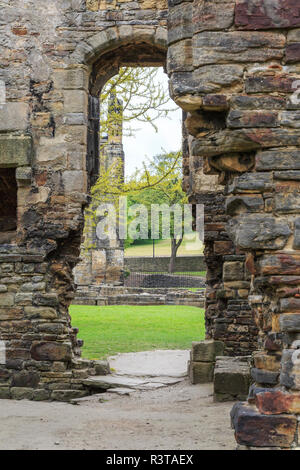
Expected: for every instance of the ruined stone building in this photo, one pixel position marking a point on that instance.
(102, 261)
(234, 69)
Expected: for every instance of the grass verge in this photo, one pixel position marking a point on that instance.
(116, 329)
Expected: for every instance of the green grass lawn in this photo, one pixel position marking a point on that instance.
(163, 248)
(116, 329)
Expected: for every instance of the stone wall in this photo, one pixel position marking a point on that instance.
(234, 67)
(55, 57)
(147, 264)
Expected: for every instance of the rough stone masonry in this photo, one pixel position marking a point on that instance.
(234, 69)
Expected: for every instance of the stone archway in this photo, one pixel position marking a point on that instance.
(42, 350)
(104, 264)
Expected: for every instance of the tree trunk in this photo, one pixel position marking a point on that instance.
(174, 248)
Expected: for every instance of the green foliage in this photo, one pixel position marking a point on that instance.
(143, 97)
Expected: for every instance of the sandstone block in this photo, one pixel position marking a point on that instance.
(277, 402)
(206, 351)
(50, 351)
(267, 15)
(102, 368)
(67, 395)
(75, 101)
(259, 232)
(212, 15)
(19, 393)
(232, 378)
(180, 23)
(239, 119)
(7, 300)
(254, 429)
(265, 377)
(240, 204)
(296, 244)
(201, 372)
(226, 47)
(14, 117)
(233, 271)
(15, 151)
(26, 379)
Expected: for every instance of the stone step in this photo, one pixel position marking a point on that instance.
(106, 382)
(232, 378)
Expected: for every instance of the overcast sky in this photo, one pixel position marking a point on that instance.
(147, 143)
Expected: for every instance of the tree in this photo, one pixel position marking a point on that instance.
(164, 178)
(143, 97)
(160, 182)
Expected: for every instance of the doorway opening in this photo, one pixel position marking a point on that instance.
(112, 317)
(8, 205)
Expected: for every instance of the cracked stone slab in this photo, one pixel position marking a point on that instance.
(105, 382)
(108, 382)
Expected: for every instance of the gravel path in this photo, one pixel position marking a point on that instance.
(179, 417)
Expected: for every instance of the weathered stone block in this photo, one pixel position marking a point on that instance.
(7, 300)
(239, 119)
(270, 362)
(50, 351)
(14, 117)
(41, 395)
(264, 376)
(290, 322)
(296, 244)
(5, 393)
(233, 270)
(180, 23)
(206, 79)
(277, 402)
(26, 379)
(290, 369)
(75, 101)
(220, 47)
(40, 312)
(201, 372)
(67, 395)
(255, 429)
(211, 15)
(73, 78)
(236, 205)
(24, 175)
(19, 393)
(102, 368)
(206, 351)
(282, 264)
(232, 378)
(15, 151)
(255, 15)
(287, 203)
(258, 102)
(283, 83)
(252, 182)
(259, 232)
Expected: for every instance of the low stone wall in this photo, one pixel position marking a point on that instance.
(163, 280)
(153, 265)
(135, 296)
